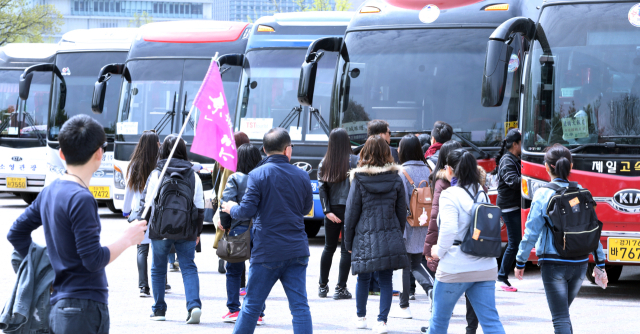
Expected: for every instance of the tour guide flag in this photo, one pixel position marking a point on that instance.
(214, 134)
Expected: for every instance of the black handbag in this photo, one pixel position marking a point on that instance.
(234, 249)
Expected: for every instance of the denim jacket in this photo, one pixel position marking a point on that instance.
(27, 310)
(537, 233)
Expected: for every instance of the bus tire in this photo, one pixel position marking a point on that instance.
(112, 207)
(312, 227)
(28, 197)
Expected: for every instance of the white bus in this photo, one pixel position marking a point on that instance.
(23, 124)
(81, 54)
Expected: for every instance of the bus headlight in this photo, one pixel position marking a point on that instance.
(56, 169)
(118, 177)
(530, 185)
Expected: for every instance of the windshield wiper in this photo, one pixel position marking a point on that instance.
(224, 70)
(483, 153)
(295, 112)
(168, 117)
(185, 112)
(609, 145)
(41, 139)
(323, 124)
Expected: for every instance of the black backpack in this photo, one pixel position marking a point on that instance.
(483, 238)
(174, 214)
(576, 229)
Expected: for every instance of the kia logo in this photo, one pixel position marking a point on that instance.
(305, 166)
(16, 158)
(627, 197)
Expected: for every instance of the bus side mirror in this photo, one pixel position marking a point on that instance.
(309, 68)
(233, 59)
(100, 87)
(496, 66)
(25, 85)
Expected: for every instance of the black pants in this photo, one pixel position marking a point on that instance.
(418, 267)
(513, 221)
(472, 319)
(75, 316)
(332, 235)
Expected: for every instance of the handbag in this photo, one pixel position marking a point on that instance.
(234, 249)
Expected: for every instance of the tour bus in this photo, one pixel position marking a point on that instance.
(268, 87)
(81, 54)
(23, 124)
(160, 78)
(581, 89)
(413, 64)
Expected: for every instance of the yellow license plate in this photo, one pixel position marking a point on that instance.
(17, 182)
(310, 214)
(623, 249)
(100, 192)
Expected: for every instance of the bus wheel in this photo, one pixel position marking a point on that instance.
(112, 207)
(312, 228)
(613, 273)
(28, 197)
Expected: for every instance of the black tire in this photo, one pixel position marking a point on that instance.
(112, 207)
(613, 273)
(28, 197)
(312, 228)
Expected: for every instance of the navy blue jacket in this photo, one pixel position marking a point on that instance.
(278, 196)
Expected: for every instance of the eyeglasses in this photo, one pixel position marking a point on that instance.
(103, 146)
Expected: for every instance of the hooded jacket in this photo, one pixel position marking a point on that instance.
(414, 236)
(509, 176)
(441, 183)
(234, 190)
(375, 218)
(27, 310)
(334, 193)
(175, 166)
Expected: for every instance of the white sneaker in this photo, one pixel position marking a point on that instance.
(381, 328)
(402, 313)
(361, 323)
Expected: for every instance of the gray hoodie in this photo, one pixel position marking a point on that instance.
(414, 236)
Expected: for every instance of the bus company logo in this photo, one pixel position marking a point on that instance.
(628, 198)
(65, 71)
(305, 166)
(16, 158)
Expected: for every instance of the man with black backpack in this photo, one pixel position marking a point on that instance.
(177, 213)
(563, 245)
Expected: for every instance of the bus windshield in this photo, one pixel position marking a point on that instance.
(414, 77)
(79, 70)
(269, 93)
(23, 119)
(584, 81)
(161, 100)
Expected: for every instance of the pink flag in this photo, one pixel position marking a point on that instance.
(214, 133)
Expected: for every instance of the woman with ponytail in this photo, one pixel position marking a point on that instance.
(459, 272)
(509, 197)
(561, 277)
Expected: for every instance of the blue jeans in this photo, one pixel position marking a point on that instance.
(386, 293)
(482, 296)
(234, 276)
(561, 285)
(186, 251)
(513, 221)
(262, 277)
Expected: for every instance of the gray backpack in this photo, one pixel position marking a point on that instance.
(483, 238)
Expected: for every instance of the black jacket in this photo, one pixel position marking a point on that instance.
(509, 177)
(334, 193)
(374, 220)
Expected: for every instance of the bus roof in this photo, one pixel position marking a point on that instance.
(190, 39)
(380, 14)
(23, 55)
(297, 30)
(101, 39)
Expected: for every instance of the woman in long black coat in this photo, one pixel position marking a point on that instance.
(374, 225)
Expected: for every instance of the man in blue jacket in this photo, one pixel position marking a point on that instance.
(278, 196)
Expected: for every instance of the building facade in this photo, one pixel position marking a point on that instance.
(88, 14)
(251, 10)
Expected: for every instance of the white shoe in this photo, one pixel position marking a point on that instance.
(381, 328)
(361, 323)
(402, 313)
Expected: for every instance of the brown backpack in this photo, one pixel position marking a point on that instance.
(420, 201)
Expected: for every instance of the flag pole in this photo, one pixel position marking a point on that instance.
(147, 205)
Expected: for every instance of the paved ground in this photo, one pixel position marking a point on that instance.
(594, 311)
